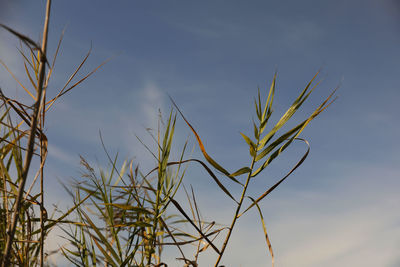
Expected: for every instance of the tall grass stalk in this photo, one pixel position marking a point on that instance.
(22, 233)
(31, 140)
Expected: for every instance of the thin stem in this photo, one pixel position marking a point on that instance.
(43, 213)
(230, 229)
(157, 204)
(43, 156)
(239, 206)
(31, 140)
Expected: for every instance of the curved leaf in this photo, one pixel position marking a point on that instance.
(248, 141)
(203, 150)
(266, 193)
(215, 178)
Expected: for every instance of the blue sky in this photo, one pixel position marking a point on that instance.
(338, 209)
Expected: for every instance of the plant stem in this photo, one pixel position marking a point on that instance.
(239, 206)
(43, 213)
(236, 214)
(161, 173)
(31, 140)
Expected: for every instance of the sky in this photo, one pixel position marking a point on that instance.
(337, 209)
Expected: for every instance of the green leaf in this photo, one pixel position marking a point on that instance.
(272, 188)
(252, 146)
(264, 123)
(289, 113)
(270, 99)
(296, 131)
(105, 254)
(252, 152)
(274, 155)
(257, 111)
(279, 141)
(256, 134)
(103, 239)
(241, 171)
(248, 141)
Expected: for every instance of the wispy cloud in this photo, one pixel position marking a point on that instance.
(152, 100)
(62, 155)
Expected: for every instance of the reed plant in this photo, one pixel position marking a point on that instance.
(264, 148)
(25, 222)
(127, 220)
(124, 216)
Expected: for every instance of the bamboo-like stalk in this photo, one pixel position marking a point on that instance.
(31, 140)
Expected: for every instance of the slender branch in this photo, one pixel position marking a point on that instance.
(31, 140)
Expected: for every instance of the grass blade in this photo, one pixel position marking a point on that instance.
(265, 231)
(203, 150)
(176, 204)
(289, 113)
(16, 79)
(266, 193)
(102, 238)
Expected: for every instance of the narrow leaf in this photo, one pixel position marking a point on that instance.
(105, 254)
(29, 76)
(102, 238)
(203, 150)
(289, 113)
(248, 141)
(215, 178)
(16, 79)
(256, 134)
(241, 171)
(257, 111)
(270, 99)
(279, 141)
(265, 231)
(176, 204)
(266, 193)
